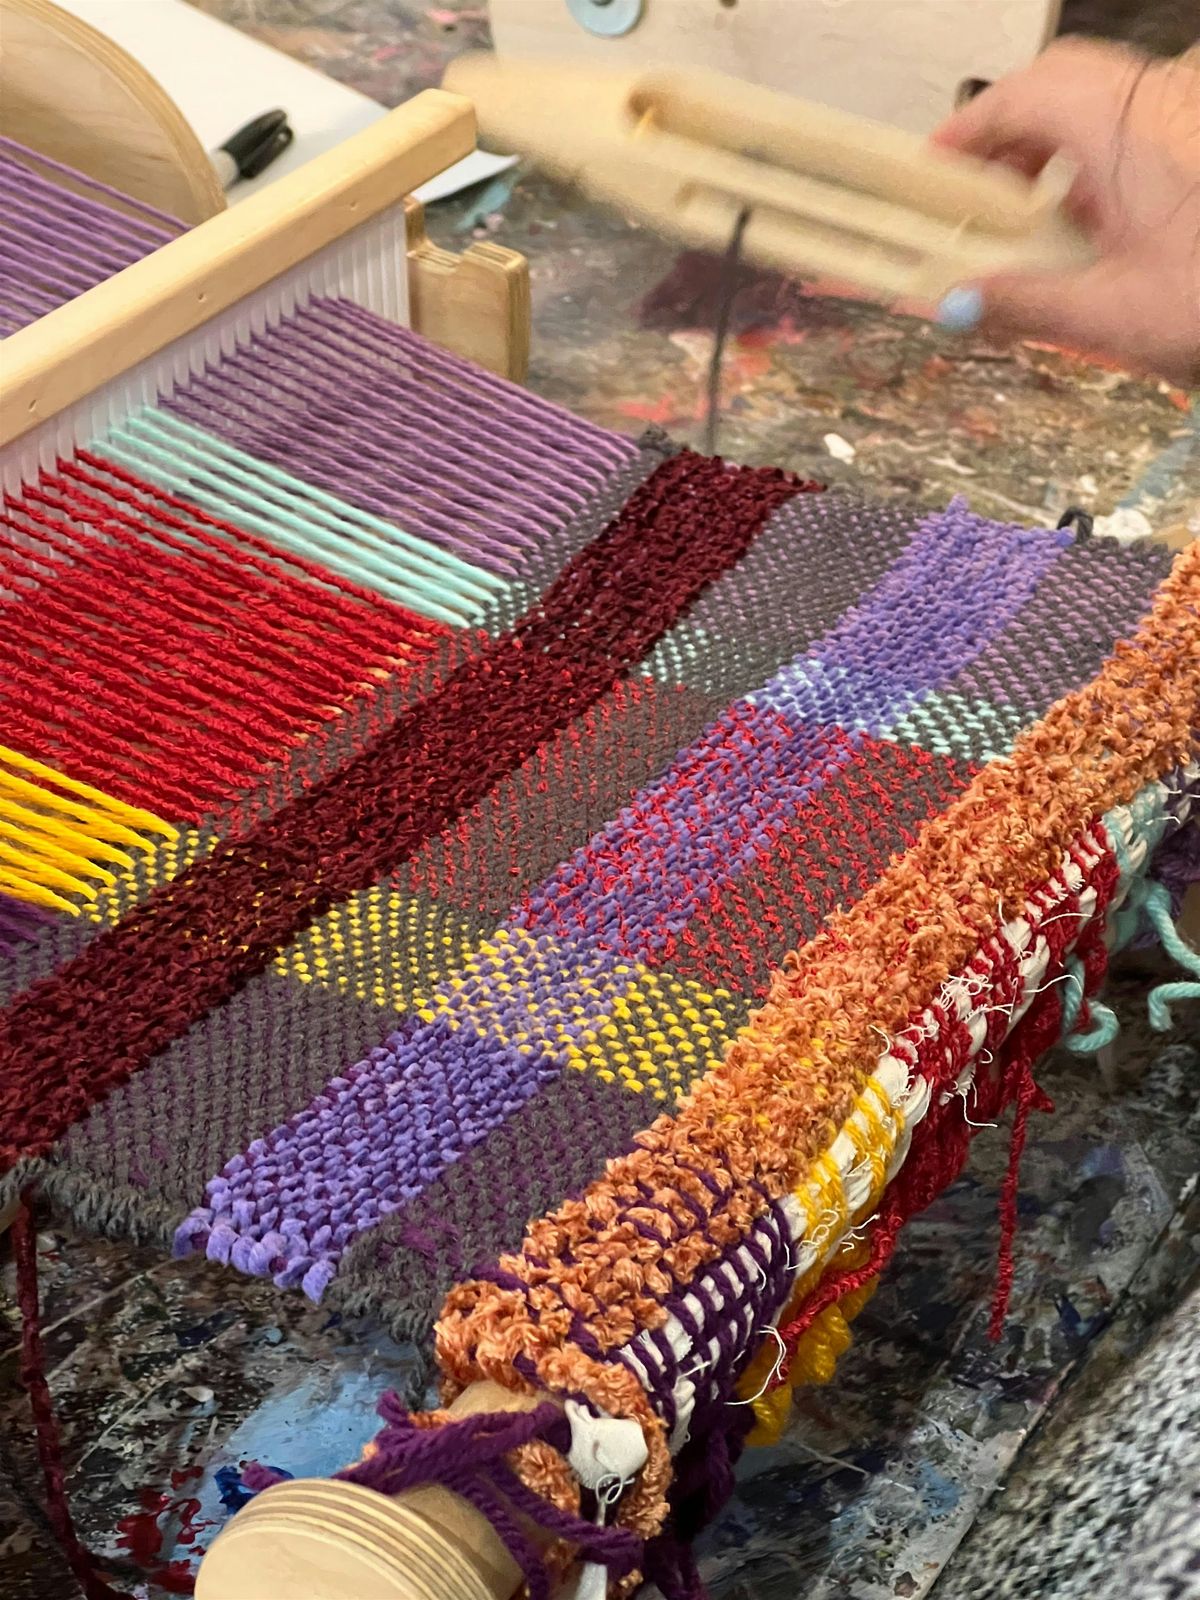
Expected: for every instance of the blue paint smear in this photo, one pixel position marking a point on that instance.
(312, 1431)
(234, 1493)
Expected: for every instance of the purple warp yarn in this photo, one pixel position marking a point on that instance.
(468, 1458)
(60, 238)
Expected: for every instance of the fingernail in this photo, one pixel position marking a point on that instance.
(960, 310)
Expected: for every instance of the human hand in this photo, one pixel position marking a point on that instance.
(1131, 129)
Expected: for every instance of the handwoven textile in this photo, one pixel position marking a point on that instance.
(444, 843)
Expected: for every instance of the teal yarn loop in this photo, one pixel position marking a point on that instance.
(1155, 902)
(1104, 1024)
(1148, 901)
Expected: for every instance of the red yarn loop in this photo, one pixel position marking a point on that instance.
(49, 1443)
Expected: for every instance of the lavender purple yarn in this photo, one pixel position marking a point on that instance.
(469, 1457)
(644, 876)
(150, 215)
(62, 233)
(640, 880)
(363, 409)
(909, 636)
(290, 1206)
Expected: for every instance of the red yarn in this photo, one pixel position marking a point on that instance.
(942, 1141)
(49, 1446)
(70, 1038)
(171, 683)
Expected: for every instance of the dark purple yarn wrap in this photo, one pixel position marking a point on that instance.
(19, 922)
(469, 1459)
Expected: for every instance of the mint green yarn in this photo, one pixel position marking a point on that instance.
(299, 518)
(1156, 903)
(1105, 1026)
(1104, 1030)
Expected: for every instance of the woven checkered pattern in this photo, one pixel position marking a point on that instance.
(449, 850)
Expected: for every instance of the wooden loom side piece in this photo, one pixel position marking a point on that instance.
(101, 335)
(475, 304)
(331, 1540)
(69, 92)
(898, 61)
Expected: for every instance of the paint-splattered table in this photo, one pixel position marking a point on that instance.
(171, 1379)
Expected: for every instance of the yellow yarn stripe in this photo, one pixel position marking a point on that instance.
(661, 1034)
(384, 946)
(165, 860)
(651, 1032)
(873, 1129)
(60, 837)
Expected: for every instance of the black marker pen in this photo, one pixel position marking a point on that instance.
(252, 149)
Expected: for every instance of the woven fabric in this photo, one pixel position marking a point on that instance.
(450, 853)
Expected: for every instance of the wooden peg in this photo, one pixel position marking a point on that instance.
(475, 304)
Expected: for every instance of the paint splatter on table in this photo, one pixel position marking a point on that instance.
(178, 1382)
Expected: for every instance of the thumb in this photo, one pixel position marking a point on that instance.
(1086, 311)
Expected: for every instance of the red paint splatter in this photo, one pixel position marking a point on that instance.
(787, 331)
(661, 411)
(175, 1578)
(141, 1533)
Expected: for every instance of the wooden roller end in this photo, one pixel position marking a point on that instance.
(329, 1540)
(326, 1539)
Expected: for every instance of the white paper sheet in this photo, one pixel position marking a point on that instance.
(221, 79)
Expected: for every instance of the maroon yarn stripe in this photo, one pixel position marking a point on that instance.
(71, 1038)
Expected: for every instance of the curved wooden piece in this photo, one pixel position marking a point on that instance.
(329, 1540)
(475, 304)
(71, 93)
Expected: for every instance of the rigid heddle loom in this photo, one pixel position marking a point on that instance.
(573, 897)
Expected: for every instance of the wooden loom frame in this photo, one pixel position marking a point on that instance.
(123, 130)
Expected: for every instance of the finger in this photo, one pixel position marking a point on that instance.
(1065, 102)
(1092, 312)
(1030, 157)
